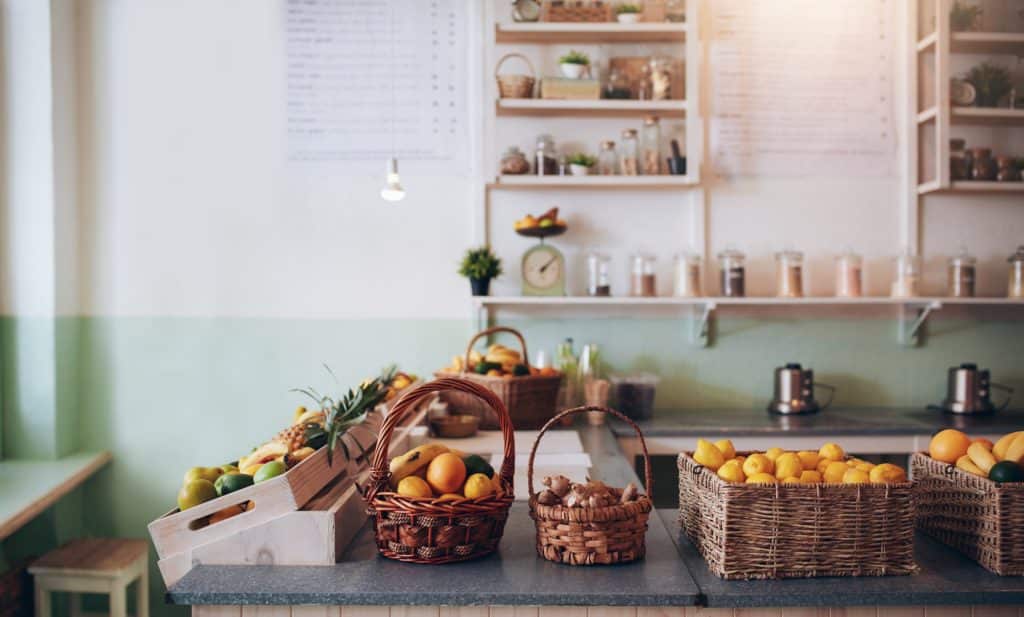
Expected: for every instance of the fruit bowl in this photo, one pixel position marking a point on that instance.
(543, 232)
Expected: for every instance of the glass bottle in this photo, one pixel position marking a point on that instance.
(1016, 287)
(567, 363)
(598, 283)
(607, 159)
(590, 373)
(849, 275)
(650, 147)
(688, 276)
(908, 276)
(960, 275)
(514, 162)
(733, 273)
(642, 280)
(789, 274)
(628, 156)
(544, 162)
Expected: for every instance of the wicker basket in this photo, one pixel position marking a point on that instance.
(515, 86)
(770, 531)
(425, 530)
(530, 399)
(978, 517)
(576, 10)
(589, 536)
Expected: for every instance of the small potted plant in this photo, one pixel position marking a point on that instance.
(574, 64)
(991, 82)
(580, 164)
(964, 17)
(628, 13)
(480, 265)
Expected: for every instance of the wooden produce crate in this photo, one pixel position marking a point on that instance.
(770, 531)
(978, 517)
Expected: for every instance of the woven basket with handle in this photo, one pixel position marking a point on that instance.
(978, 517)
(530, 399)
(589, 536)
(424, 529)
(515, 86)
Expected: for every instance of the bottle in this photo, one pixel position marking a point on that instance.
(607, 160)
(960, 275)
(1016, 286)
(650, 147)
(568, 364)
(544, 162)
(590, 374)
(733, 273)
(642, 280)
(908, 276)
(598, 283)
(630, 150)
(688, 279)
(789, 274)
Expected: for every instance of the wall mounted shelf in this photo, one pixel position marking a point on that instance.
(599, 108)
(597, 33)
(530, 182)
(964, 186)
(988, 42)
(987, 115)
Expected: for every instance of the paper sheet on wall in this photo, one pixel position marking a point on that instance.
(802, 87)
(354, 97)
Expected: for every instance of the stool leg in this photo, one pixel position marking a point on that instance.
(142, 593)
(75, 602)
(42, 600)
(117, 599)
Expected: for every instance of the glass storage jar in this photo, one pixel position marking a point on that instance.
(628, 155)
(598, 280)
(661, 78)
(1008, 171)
(960, 276)
(514, 163)
(849, 275)
(908, 276)
(733, 273)
(1016, 287)
(642, 280)
(983, 166)
(688, 276)
(959, 160)
(544, 161)
(789, 274)
(607, 159)
(650, 147)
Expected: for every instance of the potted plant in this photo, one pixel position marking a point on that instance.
(580, 164)
(574, 64)
(628, 13)
(480, 265)
(991, 82)
(964, 17)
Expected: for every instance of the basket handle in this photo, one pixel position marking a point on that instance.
(648, 481)
(379, 472)
(489, 331)
(497, 67)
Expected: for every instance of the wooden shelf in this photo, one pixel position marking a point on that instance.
(496, 301)
(972, 186)
(531, 182)
(987, 115)
(988, 42)
(596, 108)
(597, 33)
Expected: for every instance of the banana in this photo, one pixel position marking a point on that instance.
(409, 463)
(999, 450)
(964, 462)
(1015, 452)
(981, 457)
(314, 415)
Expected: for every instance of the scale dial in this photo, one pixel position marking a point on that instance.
(543, 271)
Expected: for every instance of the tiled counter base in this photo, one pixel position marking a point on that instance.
(600, 611)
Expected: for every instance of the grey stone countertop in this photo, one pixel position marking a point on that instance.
(832, 421)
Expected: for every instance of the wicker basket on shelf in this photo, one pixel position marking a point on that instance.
(589, 536)
(530, 399)
(589, 11)
(515, 86)
(770, 531)
(978, 517)
(428, 530)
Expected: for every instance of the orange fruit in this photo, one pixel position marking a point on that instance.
(446, 473)
(949, 445)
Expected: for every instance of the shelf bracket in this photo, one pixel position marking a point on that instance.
(911, 323)
(700, 331)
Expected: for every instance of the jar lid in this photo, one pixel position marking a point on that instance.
(513, 150)
(607, 144)
(849, 255)
(649, 120)
(692, 258)
(789, 255)
(963, 259)
(627, 133)
(731, 254)
(1018, 255)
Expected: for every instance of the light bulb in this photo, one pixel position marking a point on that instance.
(392, 190)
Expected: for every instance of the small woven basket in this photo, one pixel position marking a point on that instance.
(425, 530)
(771, 531)
(978, 517)
(590, 11)
(530, 399)
(515, 86)
(589, 536)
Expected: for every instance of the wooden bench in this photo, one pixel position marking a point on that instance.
(94, 565)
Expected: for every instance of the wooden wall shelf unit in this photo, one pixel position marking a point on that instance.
(988, 42)
(599, 108)
(971, 186)
(641, 183)
(598, 33)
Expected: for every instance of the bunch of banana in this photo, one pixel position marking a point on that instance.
(507, 358)
(459, 362)
(981, 458)
(292, 445)
(414, 460)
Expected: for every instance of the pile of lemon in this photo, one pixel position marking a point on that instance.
(828, 465)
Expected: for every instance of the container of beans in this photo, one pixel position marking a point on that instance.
(960, 274)
(732, 274)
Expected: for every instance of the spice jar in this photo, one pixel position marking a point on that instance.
(1008, 171)
(514, 163)
(642, 281)
(983, 167)
(598, 283)
(959, 160)
(908, 276)
(607, 159)
(544, 161)
(1016, 286)
(650, 147)
(849, 275)
(732, 275)
(960, 276)
(617, 85)
(789, 274)
(687, 281)
(628, 156)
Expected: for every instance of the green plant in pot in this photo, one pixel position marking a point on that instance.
(964, 17)
(574, 64)
(580, 163)
(480, 265)
(991, 83)
(628, 13)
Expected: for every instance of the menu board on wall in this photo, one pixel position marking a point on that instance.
(802, 87)
(369, 78)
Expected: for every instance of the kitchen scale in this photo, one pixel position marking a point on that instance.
(543, 266)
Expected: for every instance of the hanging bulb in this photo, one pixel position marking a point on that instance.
(392, 190)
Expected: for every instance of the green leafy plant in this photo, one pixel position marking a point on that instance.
(581, 158)
(991, 81)
(627, 8)
(575, 57)
(963, 17)
(480, 263)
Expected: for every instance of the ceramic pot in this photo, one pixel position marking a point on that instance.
(480, 287)
(579, 170)
(628, 18)
(573, 71)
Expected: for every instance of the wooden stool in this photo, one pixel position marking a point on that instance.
(94, 565)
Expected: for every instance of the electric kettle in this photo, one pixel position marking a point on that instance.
(794, 391)
(968, 390)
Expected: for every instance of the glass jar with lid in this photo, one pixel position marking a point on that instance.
(598, 279)
(514, 163)
(688, 276)
(650, 147)
(544, 162)
(733, 273)
(642, 280)
(907, 281)
(849, 275)
(628, 156)
(1016, 286)
(960, 274)
(607, 159)
(789, 274)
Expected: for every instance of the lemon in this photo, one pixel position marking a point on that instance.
(450, 497)
(864, 466)
(708, 455)
(809, 459)
(832, 452)
(196, 492)
(726, 448)
(761, 478)
(834, 472)
(887, 472)
(478, 485)
(810, 477)
(855, 476)
(822, 464)
(774, 453)
(731, 471)
(413, 486)
(791, 480)
(758, 463)
(788, 465)
(202, 473)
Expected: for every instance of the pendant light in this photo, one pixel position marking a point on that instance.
(392, 190)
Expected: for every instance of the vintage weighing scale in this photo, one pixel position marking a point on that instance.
(543, 266)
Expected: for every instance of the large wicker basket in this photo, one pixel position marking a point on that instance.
(530, 399)
(770, 531)
(589, 536)
(427, 530)
(515, 86)
(978, 517)
(576, 11)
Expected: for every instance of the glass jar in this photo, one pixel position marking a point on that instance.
(733, 273)
(688, 276)
(1008, 171)
(616, 86)
(675, 11)
(650, 147)
(661, 78)
(908, 276)
(544, 161)
(959, 161)
(628, 156)
(849, 275)
(563, 166)
(983, 166)
(598, 283)
(1016, 286)
(789, 274)
(514, 163)
(607, 159)
(642, 280)
(960, 276)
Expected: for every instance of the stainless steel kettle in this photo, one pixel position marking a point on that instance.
(968, 391)
(794, 391)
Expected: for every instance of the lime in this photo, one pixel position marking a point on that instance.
(1006, 471)
(268, 471)
(476, 464)
(231, 482)
(546, 223)
(195, 493)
